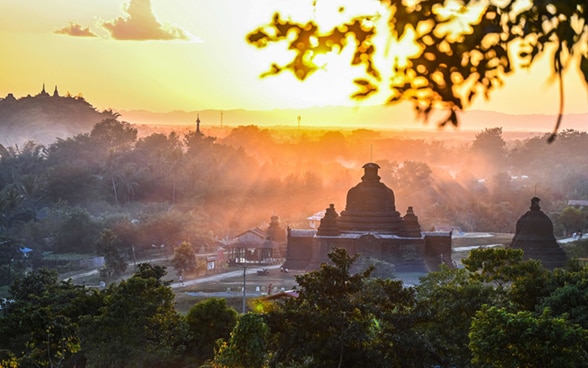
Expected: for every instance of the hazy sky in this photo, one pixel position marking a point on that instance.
(165, 55)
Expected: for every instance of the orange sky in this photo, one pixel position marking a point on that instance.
(165, 55)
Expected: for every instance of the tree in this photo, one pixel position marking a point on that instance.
(73, 172)
(328, 324)
(9, 256)
(78, 233)
(462, 48)
(40, 325)
(568, 295)
(209, 321)
(184, 258)
(572, 219)
(500, 338)
(447, 300)
(137, 325)
(161, 155)
(498, 265)
(246, 347)
(414, 175)
(394, 339)
(490, 142)
(109, 246)
(113, 136)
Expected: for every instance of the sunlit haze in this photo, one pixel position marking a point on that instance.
(190, 55)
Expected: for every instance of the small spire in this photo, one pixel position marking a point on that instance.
(55, 93)
(535, 204)
(198, 123)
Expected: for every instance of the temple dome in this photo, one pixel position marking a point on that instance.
(370, 205)
(534, 235)
(534, 225)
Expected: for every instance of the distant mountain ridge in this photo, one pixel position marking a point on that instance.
(45, 117)
(368, 117)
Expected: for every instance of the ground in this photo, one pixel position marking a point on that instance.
(229, 284)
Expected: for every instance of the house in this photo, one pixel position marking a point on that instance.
(258, 246)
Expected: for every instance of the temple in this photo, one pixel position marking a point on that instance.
(534, 235)
(371, 226)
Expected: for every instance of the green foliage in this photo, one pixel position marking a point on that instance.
(184, 260)
(524, 283)
(568, 295)
(332, 322)
(109, 246)
(137, 325)
(246, 347)
(572, 219)
(9, 260)
(500, 311)
(33, 284)
(447, 300)
(500, 338)
(147, 271)
(78, 232)
(40, 325)
(112, 135)
(209, 321)
(500, 265)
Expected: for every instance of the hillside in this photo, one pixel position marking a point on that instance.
(44, 117)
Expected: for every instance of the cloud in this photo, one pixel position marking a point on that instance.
(140, 24)
(76, 30)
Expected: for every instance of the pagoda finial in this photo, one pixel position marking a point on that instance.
(197, 123)
(55, 93)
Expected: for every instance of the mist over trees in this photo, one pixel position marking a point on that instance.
(164, 189)
(120, 194)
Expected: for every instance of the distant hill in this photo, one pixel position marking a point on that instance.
(368, 117)
(44, 117)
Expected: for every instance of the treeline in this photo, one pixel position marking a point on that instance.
(498, 311)
(163, 189)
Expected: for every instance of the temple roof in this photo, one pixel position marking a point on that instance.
(534, 235)
(370, 205)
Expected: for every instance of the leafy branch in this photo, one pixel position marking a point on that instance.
(465, 47)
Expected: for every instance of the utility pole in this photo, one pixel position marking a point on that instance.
(244, 284)
(134, 258)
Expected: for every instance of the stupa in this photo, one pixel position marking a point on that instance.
(534, 235)
(371, 226)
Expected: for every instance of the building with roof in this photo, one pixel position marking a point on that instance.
(258, 246)
(371, 226)
(578, 203)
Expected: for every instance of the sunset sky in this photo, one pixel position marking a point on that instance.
(165, 55)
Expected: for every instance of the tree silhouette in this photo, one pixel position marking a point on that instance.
(463, 48)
